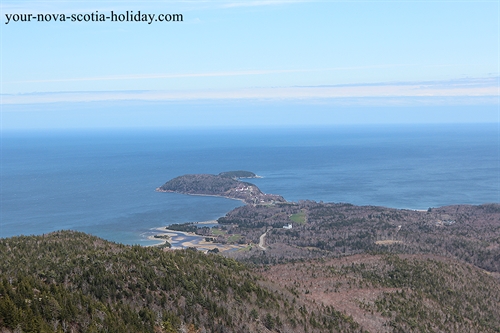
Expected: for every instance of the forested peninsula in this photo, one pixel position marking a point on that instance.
(225, 184)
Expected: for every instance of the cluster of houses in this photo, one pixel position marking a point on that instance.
(440, 223)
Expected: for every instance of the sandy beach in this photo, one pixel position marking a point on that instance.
(183, 240)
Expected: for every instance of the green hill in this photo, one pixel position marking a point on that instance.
(72, 282)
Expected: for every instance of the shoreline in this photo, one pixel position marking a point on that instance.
(174, 237)
(201, 195)
(360, 205)
(182, 240)
(205, 222)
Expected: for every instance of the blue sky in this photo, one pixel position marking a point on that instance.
(324, 61)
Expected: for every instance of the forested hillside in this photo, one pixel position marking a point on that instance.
(391, 293)
(464, 232)
(73, 282)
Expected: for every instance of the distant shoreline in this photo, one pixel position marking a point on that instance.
(199, 195)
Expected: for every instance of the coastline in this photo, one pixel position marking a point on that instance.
(176, 237)
(200, 195)
(182, 240)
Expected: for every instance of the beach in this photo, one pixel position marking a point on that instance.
(184, 240)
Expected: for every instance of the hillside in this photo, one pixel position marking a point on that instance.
(73, 282)
(464, 232)
(389, 293)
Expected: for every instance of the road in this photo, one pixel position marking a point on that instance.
(262, 241)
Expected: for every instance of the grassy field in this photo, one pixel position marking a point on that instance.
(233, 238)
(218, 232)
(299, 218)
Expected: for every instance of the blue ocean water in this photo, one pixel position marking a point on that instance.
(104, 182)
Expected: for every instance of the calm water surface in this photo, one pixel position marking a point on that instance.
(103, 182)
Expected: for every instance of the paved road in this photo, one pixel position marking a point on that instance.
(262, 241)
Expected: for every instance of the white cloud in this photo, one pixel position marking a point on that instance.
(201, 74)
(164, 76)
(468, 88)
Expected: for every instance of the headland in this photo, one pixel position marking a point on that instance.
(225, 184)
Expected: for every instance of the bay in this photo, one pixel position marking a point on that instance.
(103, 182)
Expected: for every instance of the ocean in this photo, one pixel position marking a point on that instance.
(103, 182)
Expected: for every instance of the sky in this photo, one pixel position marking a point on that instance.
(276, 62)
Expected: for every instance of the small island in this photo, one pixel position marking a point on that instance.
(238, 174)
(225, 184)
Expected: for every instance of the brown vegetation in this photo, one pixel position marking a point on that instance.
(389, 293)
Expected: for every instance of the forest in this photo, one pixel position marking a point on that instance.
(463, 232)
(72, 282)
